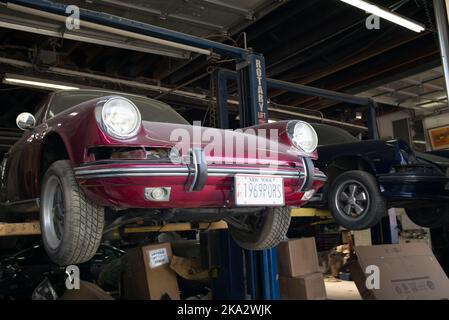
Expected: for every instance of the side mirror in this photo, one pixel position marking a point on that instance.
(25, 121)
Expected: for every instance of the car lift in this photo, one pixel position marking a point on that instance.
(250, 69)
(261, 271)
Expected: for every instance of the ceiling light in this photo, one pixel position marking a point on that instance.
(385, 14)
(38, 83)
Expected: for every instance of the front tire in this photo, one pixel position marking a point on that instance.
(355, 200)
(429, 217)
(71, 225)
(263, 231)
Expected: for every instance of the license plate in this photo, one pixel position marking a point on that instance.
(253, 190)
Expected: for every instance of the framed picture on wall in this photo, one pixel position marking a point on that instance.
(439, 137)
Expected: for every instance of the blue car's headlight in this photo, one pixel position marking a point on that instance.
(120, 118)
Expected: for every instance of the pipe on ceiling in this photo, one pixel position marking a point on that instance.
(441, 16)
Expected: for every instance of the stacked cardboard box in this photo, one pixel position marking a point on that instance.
(299, 274)
(147, 274)
(399, 272)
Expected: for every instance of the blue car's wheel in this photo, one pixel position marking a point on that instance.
(429, 217)
(355, 200)
(71, 225)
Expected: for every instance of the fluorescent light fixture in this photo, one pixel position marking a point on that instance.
(385, 14)
(38, 83)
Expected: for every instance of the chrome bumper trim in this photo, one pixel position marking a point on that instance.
(82, 172)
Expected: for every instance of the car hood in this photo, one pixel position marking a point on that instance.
(221, 145)
(436, 159)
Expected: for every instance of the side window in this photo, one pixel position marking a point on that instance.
(38, 115)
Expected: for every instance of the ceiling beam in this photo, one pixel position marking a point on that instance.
(15, 21)
(165, 15)
(378, 50)
(248, 14)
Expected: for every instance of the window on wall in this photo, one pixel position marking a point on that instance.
(418, 135)
(401, 130)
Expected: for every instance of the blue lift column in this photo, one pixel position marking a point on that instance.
(261, 266)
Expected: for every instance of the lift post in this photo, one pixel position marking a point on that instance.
(262, 266)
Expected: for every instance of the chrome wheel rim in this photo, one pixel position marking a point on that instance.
(352, 199)
(53, 213)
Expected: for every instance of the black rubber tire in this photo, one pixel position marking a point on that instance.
(377, 207)
(83, 220)
(273, 229)
(433, 217)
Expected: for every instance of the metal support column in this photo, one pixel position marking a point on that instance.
(262, 269)
(252, 91)
(373, 130)
(441, 16)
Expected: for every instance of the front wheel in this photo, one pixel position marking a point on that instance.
(429, 217)
(355, 200)
(261, 231)
(71, 225)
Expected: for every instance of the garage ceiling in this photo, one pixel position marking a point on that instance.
(423, 91)
(323, 43)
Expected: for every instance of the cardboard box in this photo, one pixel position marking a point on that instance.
(87, 291)
(298, 257)
(189, 268)
(406, 272)
(147, 274)
(307, 287)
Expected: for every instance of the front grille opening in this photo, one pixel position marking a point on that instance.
(130, 153)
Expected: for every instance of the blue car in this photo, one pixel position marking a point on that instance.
(365, 178)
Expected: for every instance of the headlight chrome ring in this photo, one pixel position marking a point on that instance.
(120, 118)
(302, 135)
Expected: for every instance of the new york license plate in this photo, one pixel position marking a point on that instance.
(253, 190)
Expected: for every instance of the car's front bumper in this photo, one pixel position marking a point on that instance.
(123, 184)
(409, 187)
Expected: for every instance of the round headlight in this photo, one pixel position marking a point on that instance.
(120, 118)
(303, 136)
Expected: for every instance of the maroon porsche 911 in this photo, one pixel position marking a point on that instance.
(86, 155)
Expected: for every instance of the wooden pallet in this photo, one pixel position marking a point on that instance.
(33, 228)
(20, 229)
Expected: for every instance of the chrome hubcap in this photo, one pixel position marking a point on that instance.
(352, 199)
(53, 212)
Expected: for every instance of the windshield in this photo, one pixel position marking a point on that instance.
(328, 135)
(150, 110)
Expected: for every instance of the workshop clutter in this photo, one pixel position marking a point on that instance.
(300, 275)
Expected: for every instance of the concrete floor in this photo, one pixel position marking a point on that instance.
(341, 290)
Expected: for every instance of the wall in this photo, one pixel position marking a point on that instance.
(385, 123)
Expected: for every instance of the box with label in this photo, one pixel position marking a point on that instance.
(399, 272)
(147, 274)
(298, 257)
(307, 287)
